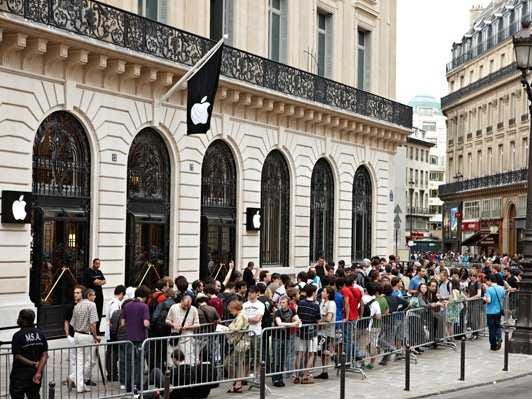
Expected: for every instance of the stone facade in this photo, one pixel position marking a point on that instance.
(488, 128)
(112, 92)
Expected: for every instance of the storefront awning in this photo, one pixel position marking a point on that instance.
(473, 240)
(489, 240)
(481, 240)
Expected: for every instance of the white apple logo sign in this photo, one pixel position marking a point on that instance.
(19, 208)
(256, 220)
(199, 113)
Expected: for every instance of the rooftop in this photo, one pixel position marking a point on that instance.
(497, 23)
(425, 101)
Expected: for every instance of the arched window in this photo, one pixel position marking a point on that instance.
(218, 210)
(61, 158)
(218, 177)
(60, 220)
(322, 212)
(275, 207)
(148, 194)
(361, 215)
(148, 168)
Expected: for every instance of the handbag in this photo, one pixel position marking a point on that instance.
(177, 334)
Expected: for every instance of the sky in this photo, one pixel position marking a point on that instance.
(426, 30)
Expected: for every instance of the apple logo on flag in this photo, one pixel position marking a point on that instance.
(256, 220)
(199, 113)
(19, 208)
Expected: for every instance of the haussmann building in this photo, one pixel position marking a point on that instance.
(304, 130)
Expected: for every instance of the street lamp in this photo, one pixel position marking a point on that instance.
(522, 337)
(411, 191)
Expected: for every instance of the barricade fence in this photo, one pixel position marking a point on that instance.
(204, 358)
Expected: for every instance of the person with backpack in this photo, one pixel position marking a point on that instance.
(158, 329)
(111, 352)
(444, 286)
(372, 313)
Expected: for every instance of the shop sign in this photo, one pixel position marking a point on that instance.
(16, 207)
(253, 221)
(471, 226)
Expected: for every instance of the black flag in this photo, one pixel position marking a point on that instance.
(201, 93)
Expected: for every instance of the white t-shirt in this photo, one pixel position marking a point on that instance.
(252, 310)
(325, 308)
(177, 314)
(374, 308)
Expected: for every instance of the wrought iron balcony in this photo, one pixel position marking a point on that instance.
(418, 211)
(494, 77)
(121, 28)
(497, 180)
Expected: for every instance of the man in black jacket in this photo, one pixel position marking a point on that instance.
(30, 354)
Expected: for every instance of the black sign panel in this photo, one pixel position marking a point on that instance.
(253, 219)
(16, 207)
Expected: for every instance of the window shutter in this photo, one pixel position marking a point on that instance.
(162, 12)
(228, 21)
(329, 47)
(283, 56)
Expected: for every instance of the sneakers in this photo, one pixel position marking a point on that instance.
(322, 376)
(307, 380)
(278, 384)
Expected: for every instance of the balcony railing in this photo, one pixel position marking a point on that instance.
(484, 46)
(418, 211)
(121, 28)
(500, 179)
(494, 77)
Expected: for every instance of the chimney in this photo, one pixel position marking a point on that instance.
(474, 13)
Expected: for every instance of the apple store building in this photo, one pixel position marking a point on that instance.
(93, 166)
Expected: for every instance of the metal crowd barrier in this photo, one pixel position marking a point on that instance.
(206, 358)
(199, 361)
(428, 326)
(103, 369)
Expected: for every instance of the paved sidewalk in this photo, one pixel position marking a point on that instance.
(436, 371)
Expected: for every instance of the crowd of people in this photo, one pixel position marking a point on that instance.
(304, 320)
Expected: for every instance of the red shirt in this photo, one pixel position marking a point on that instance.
(217, 304)
(353, 295)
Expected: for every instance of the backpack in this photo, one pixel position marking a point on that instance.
(267, 319)
(152, 305)
(114, 325)
(361, 279)
(367, 308)
(159, 326)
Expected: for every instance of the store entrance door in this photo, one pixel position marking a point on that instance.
(59, 257)
(217, 246)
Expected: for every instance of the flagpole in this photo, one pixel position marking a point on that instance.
(192, 71)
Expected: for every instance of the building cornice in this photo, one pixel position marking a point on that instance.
(302, 96)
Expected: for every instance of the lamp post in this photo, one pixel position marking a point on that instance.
(522, 337)
(411, 214)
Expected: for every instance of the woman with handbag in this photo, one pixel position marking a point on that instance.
(238, 338)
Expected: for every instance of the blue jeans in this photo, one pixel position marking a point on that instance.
(133, 359)
(494, 327)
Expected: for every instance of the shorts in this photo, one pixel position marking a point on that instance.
(307, 345)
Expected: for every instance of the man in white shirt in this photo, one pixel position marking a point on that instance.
(254, 310)
(111, 353)
(183, 319)
(374, 312)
